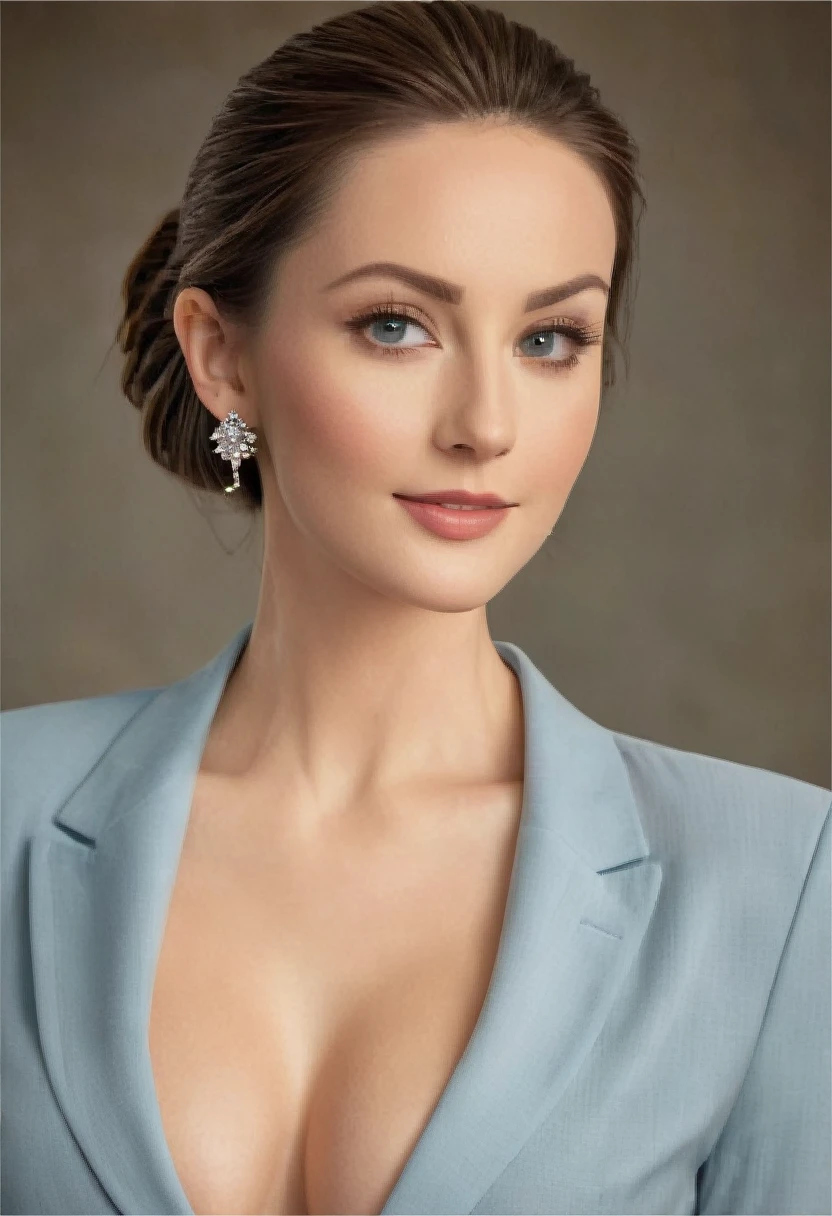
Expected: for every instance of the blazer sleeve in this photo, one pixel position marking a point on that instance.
(774, 1152)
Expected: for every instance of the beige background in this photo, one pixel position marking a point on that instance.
(684, 595)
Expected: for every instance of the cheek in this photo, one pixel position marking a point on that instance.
(322, 426)
(559, 450)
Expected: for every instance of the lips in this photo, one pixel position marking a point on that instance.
(458, 506)
(454, 522)
(458, 499)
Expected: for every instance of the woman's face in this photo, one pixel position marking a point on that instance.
(465, 392)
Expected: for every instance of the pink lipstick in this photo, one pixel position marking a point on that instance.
(468, 519)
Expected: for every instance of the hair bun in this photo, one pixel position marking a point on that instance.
(148, 263)
(145, 290)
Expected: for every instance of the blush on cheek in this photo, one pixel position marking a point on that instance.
(351, 438)
(306, 405)
(351, 432)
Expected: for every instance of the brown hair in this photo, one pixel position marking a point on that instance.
(281, 143)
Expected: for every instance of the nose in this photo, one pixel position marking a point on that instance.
(482, 428)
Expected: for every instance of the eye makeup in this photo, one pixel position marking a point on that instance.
(580, 335)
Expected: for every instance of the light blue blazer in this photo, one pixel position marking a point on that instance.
(656, 1033)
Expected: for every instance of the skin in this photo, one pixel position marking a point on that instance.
(342, 885)
(352, 588)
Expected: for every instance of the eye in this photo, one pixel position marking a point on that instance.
(544, 341)
(566, 337)
(392, 321)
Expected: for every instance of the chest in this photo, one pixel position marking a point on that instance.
(312, 1000)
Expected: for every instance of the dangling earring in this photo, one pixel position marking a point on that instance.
(235, 442)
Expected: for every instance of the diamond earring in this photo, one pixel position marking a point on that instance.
(235, 442)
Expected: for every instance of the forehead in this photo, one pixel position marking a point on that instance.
(499, 200)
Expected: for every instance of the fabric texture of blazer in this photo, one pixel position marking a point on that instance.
(656, 1033)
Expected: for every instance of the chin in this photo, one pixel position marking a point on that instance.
(463, 578)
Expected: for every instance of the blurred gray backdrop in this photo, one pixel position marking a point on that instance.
(685, 594)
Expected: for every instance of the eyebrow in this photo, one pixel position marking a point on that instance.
(451, 293)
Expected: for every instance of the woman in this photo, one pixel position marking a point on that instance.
(364, 916)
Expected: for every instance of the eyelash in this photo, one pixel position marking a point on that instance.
(582, 335)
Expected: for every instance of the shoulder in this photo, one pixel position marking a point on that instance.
(708, 801)
(46, 750)
(737, 843)
(744, 918)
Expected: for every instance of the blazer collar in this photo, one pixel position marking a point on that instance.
(101, 877)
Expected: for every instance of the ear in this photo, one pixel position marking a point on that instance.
(212, 347)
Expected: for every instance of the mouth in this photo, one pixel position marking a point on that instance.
(453, 520)
(457, 500)
(451, 506)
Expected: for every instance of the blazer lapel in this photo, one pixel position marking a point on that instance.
(100, 886)
(581, 895)
(101, 877)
